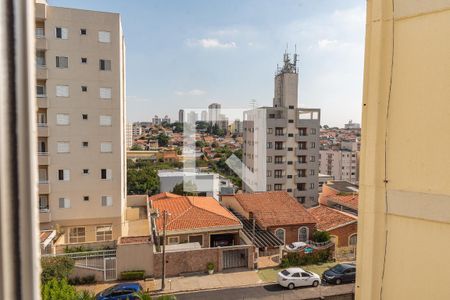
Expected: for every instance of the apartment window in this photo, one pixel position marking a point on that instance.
(269, 187)
(313, 145)
(84, 144)
(84, 88)
(62, 119)
(85, 171)
(302, 145)
(77, 235)
(303, 234)
(85, 198)
(105, 93)
(106, 147)
(278, 173)
(64, 175)
(311, 186)
(172, 240)
(106, 174)
(83, 31)
(290, 149)
(302, 159)
(289, 190)
(104, 36)
(269, 173)
(312, 158)
(280, 233)
(61, 33)
(62, 147)
(279, 146)
(64, 203)
(62, 91)
(277, 187)
(40, 90)
(103, 233)
(301, 199)
(289, 162)
(278, 159)
(291, 106)
(269, 159)
(40, 58)
(269, 130)
(301, 186)
(105, 65)
(84, 60)
(313, 131)
(312, 172)
(62, 62)
(105, 120)
(269, 145)
(290, 135)
(40, 32)
(106, 201)
(84, 116)
(302, 131)
(43, 202)
(290, 121)
(279, 131)
(301, 173)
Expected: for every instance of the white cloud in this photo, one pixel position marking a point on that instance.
(194, 92)
(211, 43)
(325, 43)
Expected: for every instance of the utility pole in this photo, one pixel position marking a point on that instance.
(163, 283)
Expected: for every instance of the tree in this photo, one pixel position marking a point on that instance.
(179, 189)
(136, 147)
(61, 290)
(143, 181)
(56, 267)
(321, 236)
(163, 140)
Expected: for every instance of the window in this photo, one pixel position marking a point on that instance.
(301, 186)
(40, 58)
(61, 33)
(301, 199)
(105, 120)
(290, 135)
(62, 119)
(85, 198)
(269, 173)
(83, 31)
(279, 131)
(279, 146)
(64, 175)
(296, 275)
(312, 131)
(269, 145)
(196, 239)
(84, 144)
(312, 158)
(105, 65)
(43, 202)
(40, 32)
(106, 174)
(77, 235)
(302, 131)
(312, 172)
(106, 201)
(85, 171)
(301, 172)
(303, 234)
(313, 145)
(277, 187)
(84, 88)
(311, 185)
(64, 203)
(278, 173)
(352, 240)
(304, 274)
(171, 240)
(62, 62)
(84, 60)
(269, 159)
(103, 233)
(62, 91)
(290, 121)
(105, 93)
(289, 190)
(104, 36)
(278, 159)
(279, 233)
(62, 147)
(290, 149)
(40, 90)
(268, 187)
(269, 130)
(291, 106)
(106, 147)
(84, 116)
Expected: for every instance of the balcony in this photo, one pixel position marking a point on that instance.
(300, 178)
(45, 216)
(41, 42)
(301, 137)
(40, 12)
(42, 101)
(44, 187)
(41, 72)
(43, 158)
(300, 164)
(301, 152)
(42, 130)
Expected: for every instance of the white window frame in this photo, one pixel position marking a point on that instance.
(66, 202)
(105, 93)
(107, 201)
(299, 232)
(105, 64)
(62, 119)
(177, 238)
(78, 238)
(106, 147)
(63, 147)
(66, 175)
(105, 120)
(58, 62)
(108, 174)
(104, 36)
(62, 91)
(350, 239)
(284, 234)
(103, 235)
(64, 33)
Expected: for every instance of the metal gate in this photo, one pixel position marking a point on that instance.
(235, 258)
(109, 268)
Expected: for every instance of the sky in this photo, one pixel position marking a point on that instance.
(190, 53)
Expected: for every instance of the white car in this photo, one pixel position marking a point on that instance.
(294, 277)
(295, 246)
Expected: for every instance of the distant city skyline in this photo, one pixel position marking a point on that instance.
(189, 54)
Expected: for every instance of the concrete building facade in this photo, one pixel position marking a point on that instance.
(292, 138)
(80, 88)
(340, 164)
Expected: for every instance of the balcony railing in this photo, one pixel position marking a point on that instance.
(41, 124)
(43, 181)
(42, 153)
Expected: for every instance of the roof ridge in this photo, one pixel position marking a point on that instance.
(193, 205)
(180, 215)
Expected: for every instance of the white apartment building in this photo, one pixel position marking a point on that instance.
(292, 141)
(129, 135)
(343, 165)
(81, 123)
(137, 130)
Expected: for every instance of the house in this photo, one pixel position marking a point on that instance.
(341, 226)
(341, 195)
(193, 219)
(276, 212)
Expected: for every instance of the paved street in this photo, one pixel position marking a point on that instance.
(271, 291)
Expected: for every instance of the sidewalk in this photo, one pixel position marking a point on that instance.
(200, 282)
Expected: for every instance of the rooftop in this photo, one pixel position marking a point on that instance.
(350, 201)
(343, 186)
(329, 218)
(274, 208)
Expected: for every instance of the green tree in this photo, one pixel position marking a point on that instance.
(56, 267)
(60, 290)
(143, 181)
(136, 147)
(163, 140)
(321, 236)
(179, 189)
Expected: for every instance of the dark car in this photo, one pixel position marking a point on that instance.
(121, 291)
(341, 273)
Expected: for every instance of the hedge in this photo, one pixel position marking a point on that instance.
(132, 275)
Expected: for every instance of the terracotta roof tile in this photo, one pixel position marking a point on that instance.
(188, 212)
(329, 218)
(345, 200)
(275, 208)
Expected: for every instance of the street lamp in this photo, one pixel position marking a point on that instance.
(163, 278)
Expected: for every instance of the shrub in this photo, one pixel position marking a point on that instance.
(58, 267)
(284, 263)
(210, 266)
(83, 280)
(132, 275)
(300, 259)
(321, 236)
(60, 290)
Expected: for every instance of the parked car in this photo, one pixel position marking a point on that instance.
(121, 291)
(296, 246)
(341, 273)
(294, 277)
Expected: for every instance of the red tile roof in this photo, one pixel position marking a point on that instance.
(329, 218)
(350, 201)
(134, 239)
(275, 208)
(191, 212)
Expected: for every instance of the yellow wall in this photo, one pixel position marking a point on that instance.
(404, 219)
